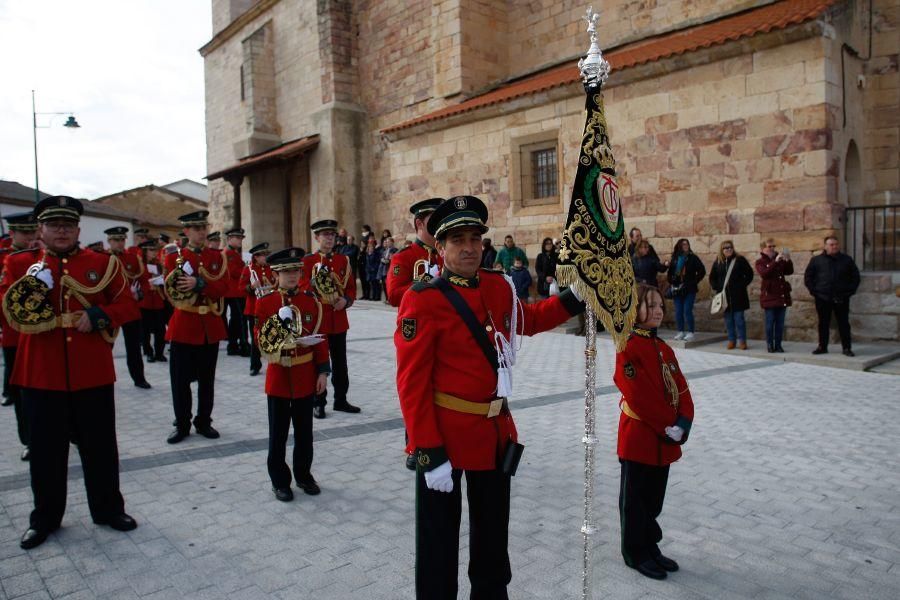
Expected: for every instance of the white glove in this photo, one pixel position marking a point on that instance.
(440, 479)
(434, 270)
(285, 313)
(45, 276)
(554, 288)
(136, 290)
(153, 269)
(188, 269)
(158, 280)
(675, 432)
(575, 293)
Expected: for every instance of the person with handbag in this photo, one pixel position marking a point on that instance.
(774, 290)
(729, 278)
(684, 273)
(456, 337)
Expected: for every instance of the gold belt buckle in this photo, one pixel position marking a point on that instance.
(202, 309)
(496, 407)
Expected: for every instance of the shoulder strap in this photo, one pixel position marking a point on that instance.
(728, 273)
(468, 317)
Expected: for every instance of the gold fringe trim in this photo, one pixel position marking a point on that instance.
(567, 275)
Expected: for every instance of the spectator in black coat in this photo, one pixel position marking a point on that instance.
(545, 267)
(832, 277)
(373, 263)
(488, 254)
(685, 272)
(735, 291)
(646, 265)
(636, 238)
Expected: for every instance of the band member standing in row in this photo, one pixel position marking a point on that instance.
(152, 305)
(214, 240)
(234, 298)
(256, 281)
(65, 302)
(22, 233)
(133, 270)
(330, 277)
(297, 369)
(196, 281)
(454, 402)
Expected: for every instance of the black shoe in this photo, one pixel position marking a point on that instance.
(283, 494)
(346, 407)
(820, 350)
(666, 563)
(254, 372)
(26, 453)
(849, 352)
(309, 487)
(143, 385)
(150, 359)
(770, 348)
(232, 351)
(178, 435)
(33, 538)
(650, 569)
(319, 412)
(121, 522)
(7, 402)
(778, 348)
(245, 351)
(411, 462)
(207, 432)
(162, 358)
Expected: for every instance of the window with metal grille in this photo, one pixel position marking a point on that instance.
(543, 173)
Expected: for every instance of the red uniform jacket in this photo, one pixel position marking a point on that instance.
(639, 376)
(404, 270)
(437, 353)
(235, 263)
(189, 327)
(265, 278)
(154, 295)
(10, 337)
(63, 359)
(333, 321)
(132, 267)
(298, 381)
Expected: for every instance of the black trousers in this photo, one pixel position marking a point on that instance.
(255, 358)
(131, 331)
(15, 393)
(236, 324)
(340, 380)
(642, 490)
(188, 362)
(154, 329)
(437, 536)
(283, 412)
(841, 311)
(87, 417)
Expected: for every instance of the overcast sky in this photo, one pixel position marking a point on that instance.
(130, 72)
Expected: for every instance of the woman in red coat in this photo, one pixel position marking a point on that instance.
(774, 291)
(657, 412)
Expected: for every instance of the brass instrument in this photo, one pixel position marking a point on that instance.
(278, 337)
(261, 290)
(178, 298)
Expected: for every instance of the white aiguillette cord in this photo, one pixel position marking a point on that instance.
(507, 349)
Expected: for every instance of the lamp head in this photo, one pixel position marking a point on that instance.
(71, 122)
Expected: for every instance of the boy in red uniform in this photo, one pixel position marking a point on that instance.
(152, 305)
(418, 261)
(297, 370)
(65, 302)
(256, 278)
(330, 277)
(234, 297)
(454, 405)
(133, 270)
(657, 412)
(196, 281)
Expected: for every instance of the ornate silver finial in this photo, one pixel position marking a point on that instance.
(594, 68)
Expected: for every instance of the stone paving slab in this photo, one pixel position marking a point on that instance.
(788, 489)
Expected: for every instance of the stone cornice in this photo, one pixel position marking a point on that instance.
(237, 25)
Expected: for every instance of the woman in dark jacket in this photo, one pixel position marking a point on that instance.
(736, 295)
(373, 263)
(774, 291)
(545, 267)
(685, 272)
(488, 254)
(646, 264)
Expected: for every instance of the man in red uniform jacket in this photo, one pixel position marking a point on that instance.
(65, 301)
(196, 280)
(234, 297)
(448, 388)
(133, 269)
(152, 305)
(418, 261)
(22, 234)
(297, 370)
(256, 278)
(330, 277)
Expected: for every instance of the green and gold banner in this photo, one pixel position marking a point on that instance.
(593, 256)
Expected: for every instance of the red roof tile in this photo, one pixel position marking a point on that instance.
(255, 162)
(778, 15)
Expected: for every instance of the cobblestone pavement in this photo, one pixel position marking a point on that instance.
(788, 489)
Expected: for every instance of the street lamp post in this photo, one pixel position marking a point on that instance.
(70, 123)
